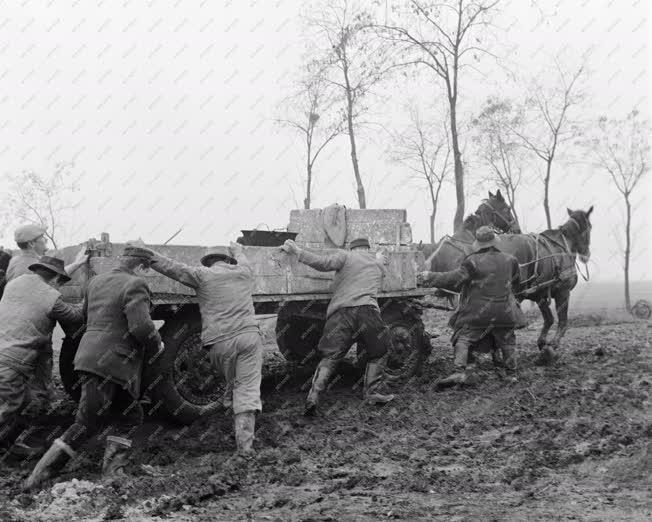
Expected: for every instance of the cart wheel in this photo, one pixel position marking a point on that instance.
(298, 335)
(410, 343)
(642, 309)
(182, 383)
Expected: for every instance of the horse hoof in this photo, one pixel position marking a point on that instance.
(548, 355)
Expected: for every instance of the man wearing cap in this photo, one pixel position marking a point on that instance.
(33, 244)
(488, 312)
(230, 331)
(29, 309)
(119, 330)
(353, 314)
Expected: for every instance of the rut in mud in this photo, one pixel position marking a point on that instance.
(570, 440)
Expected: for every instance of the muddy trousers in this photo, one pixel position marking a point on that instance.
(503, 340)
(14, 397)
(103, 404)
(240, 359)
(361, 324)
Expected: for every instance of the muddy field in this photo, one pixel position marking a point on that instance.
(568, 442)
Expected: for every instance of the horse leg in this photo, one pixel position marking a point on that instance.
(561, 304)
(548, 321)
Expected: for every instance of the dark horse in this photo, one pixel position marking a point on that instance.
(548, 270)
(548, 267)
(451, 250)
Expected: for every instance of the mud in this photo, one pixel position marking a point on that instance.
(567, 442)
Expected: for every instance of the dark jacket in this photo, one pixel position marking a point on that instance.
(487, 278)
(119, 329)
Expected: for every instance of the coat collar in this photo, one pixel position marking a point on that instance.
(123, 269)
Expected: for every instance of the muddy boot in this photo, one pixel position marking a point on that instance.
(509, 361)
(497, 359)
(245, 426)
(374, 379)
(116, 456)
(26, 449)
(320, 379)
(50, 464)
(459, 377)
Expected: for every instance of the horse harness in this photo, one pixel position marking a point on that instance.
(548, 242)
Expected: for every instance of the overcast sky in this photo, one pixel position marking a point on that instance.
(168, 107)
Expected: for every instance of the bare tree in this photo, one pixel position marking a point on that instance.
(308, 109)
(444, 38)
(551, 124)
(425, 149)
(499, 147)
(356, 64)
(622, 149)
(41, 199)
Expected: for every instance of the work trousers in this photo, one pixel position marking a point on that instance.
(503, 339)
(103, 404)
(40, 383)
(361, 324)
(14, 397)
(240, 359)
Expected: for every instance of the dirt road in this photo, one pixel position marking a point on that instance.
(568, 442)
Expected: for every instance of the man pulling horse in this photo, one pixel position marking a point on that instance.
(547, 265)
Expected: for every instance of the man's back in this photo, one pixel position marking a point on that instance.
(25, 325)
(224, 293)
(105, 302)
(19, 264)
(118, 328)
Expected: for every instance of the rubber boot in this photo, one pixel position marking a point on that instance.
(509, 361)
(116, 456)
(245, 426)
(320, 379)
(460, 375)
(374, 378)
(50, 464)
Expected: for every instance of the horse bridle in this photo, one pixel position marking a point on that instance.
(486, 203)
(580, 232)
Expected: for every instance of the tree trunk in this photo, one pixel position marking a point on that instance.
(432, 227)
(459, 169)
(628, 302)
(546, 191)
(354, 153)
(306, 201)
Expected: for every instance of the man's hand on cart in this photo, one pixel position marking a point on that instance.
(290, 247)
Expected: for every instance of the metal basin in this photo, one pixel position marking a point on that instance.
(265, 237)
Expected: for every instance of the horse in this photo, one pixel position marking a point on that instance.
(451, 250)
(548, 262)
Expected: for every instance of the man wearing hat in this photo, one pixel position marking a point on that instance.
(352, 314)
(230, 331)
(29, 309)
(488, 312)
(32, 244)
(119, 330)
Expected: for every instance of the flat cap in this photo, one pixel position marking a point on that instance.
(26, 233)
(221, 253)
(360, 242)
